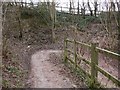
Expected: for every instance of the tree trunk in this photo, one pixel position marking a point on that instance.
(83, 10)
(96, 8)
(53, 17)
(70, 9)
(19, 22)
(91, 12)
(78, 9)
(118, 18)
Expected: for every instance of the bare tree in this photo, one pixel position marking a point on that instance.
(1, 4)
(95, 7)
(89, 7)
(118, 5)
(15, 2)
(105, 16)
(22, 3)
(53, 17)
(48, 4)
(118, 17)
(83, 9)
(70, 8)
(78, 8)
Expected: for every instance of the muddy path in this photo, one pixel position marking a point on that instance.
(46, 75)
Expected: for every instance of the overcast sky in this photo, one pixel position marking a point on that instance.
(73, 0)
(63, 1)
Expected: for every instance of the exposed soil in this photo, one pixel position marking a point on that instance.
(44, 74)
(42, 59)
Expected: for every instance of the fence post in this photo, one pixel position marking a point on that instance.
(94, 62)
(65, 50)
(75, 56)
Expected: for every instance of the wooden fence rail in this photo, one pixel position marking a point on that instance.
(93, 63)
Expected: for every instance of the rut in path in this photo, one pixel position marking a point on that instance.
(44, 74)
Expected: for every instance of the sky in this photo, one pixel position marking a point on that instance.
(64, 1)
(74, 0)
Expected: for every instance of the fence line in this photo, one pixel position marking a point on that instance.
(93, 63)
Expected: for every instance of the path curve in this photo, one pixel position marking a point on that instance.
(44, 74)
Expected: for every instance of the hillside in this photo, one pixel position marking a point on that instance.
(31, 37)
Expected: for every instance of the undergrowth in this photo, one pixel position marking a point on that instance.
(68, 19)
(13, 73)
(83, 77)
(42, 16)
(40, 13)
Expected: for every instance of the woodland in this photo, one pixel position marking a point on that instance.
(82, 42)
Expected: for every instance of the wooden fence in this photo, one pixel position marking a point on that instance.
(93, 63)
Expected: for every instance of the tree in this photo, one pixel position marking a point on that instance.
(70, 9)
(95, 7)
(89, 7)
(1, 4)
(83, 9)
(53, 17)
(78, 8)
(118, 17)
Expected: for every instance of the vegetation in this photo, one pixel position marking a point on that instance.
(93, 63)
(43, 24)
(13, 72)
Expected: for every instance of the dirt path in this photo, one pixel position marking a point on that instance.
(44, 74)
